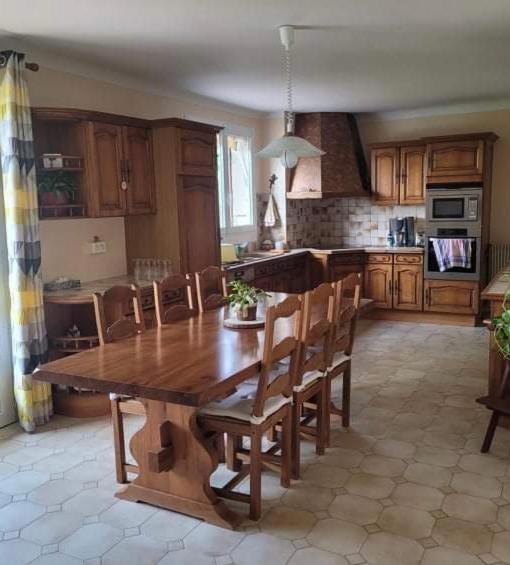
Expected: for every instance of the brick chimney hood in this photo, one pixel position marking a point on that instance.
(342, 171)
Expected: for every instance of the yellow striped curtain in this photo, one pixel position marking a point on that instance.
(28, 332)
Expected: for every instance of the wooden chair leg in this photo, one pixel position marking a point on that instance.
(220, 447)
(346, 397)
(118, 442)
(286, 448)
(272, 434)
(491, 429)
(320, 422)
(296, 438)
(234, 444)
(255, 475)
(327, 400)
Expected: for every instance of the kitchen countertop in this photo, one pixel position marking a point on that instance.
(498, 286)
(366, 250)
(83, 295)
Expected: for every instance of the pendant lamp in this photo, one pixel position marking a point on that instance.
(289, 148)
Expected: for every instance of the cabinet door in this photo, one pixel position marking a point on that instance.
(196, 153)
(408, 287)
(385, 174)
(198, 223)
(139, 166)
(107, 190)
(379, 284)
(453, 297)
(455, 161)
(412, 174)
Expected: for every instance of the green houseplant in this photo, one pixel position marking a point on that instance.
(501, 327)
(56, 188)
(244, 298)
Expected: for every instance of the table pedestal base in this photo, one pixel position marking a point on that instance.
(175, 465)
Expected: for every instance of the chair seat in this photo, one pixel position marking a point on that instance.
(308, 379)
(115, 396)
(338, 359)
(281, 367)
(239, 406)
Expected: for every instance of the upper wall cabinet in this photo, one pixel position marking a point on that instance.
(102, 164)
(398, 173)
(456, 160)
(197, 153)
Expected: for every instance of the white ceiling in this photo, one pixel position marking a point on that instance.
(363, 55)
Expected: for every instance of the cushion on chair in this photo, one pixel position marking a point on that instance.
(239, 406)
(338, 359)
(309, 378)
(115, 396)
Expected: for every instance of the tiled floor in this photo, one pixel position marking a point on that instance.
(405, 485)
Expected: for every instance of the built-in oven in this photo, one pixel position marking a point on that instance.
(471, 244)
(453, 204)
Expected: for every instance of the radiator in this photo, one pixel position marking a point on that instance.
(499, 257)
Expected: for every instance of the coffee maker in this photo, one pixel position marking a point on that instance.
(402, 231)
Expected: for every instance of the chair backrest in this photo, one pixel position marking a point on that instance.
(211, 286)
(347, 301)
(278, 378)
(175, 312)
(317, 328)
(112, 309)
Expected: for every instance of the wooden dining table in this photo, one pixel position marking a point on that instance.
(173, 370)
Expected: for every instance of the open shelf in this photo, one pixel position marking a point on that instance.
(62, 211)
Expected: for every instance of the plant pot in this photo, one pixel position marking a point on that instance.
(247, 314)
(54, 199)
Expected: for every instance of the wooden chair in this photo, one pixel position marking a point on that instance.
(175, 312)
(310, 394)
(113, 325)
(251, 412)
(211, 287)
(347, 301)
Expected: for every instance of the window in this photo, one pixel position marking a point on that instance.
(235, 182)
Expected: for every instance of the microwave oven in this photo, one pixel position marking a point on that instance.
(454, 205)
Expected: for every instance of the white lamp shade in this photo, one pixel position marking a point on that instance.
(291, 143)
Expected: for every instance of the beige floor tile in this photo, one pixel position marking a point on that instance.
(351, 440)
(446, 556)
(52, 528)
(56, 559)
(388, 549)
(406, 522)
(134, 551)
(125, 514)
(24, 482)
(418, 496)
(370, 486)
(186, 557)
(288, 523)
(504, 517)
(383, 466)
(309, 498)
(337, 536)
(501, 546)
(339, 457)
(436, 456)
(212, 540)
(18, 552)
(92, 540)
(429, 475)
(325, 476)
(312, 555)
(55, 492)
(357, 509)
(394, 448)
(462, 535)
(18, 515)
(90, 502)
(483, 465)
(27, 455)
(168, 526)
(262, 548)
(476, 485)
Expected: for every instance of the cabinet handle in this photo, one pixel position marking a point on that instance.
(390, 288)
(395, 287)
(122, 170)
(427, 296)
(128, 170)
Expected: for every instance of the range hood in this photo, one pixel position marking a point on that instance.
(342, 171)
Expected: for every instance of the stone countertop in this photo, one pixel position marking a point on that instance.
(367, 249)
(498, 286)
(83, 295)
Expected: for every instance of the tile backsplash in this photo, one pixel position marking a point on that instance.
(341, 221)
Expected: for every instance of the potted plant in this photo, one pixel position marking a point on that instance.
(501, 327)
(56, 188)
(244, 298)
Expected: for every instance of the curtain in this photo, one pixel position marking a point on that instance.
(28, 332)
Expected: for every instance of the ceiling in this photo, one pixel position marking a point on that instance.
(353, 55)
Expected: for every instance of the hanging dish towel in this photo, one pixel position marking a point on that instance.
(271, 216)
(452, 253)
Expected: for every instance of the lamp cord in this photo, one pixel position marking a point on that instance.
(289, 114)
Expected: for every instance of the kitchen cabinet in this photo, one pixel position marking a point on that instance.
(454, 297)
(395, 281)
(398, 173)
(331, 267)
(121, 166)
(379, 284)
(185, 228)
(456, 160)
(342, 170)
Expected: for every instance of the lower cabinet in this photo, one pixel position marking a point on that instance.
(453, 297)
(379, 284)
(408, 287)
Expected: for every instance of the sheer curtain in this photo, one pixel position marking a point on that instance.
(7, 407)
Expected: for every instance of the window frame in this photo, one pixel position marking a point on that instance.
(229, 232)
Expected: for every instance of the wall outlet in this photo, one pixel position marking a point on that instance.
(95, 247)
